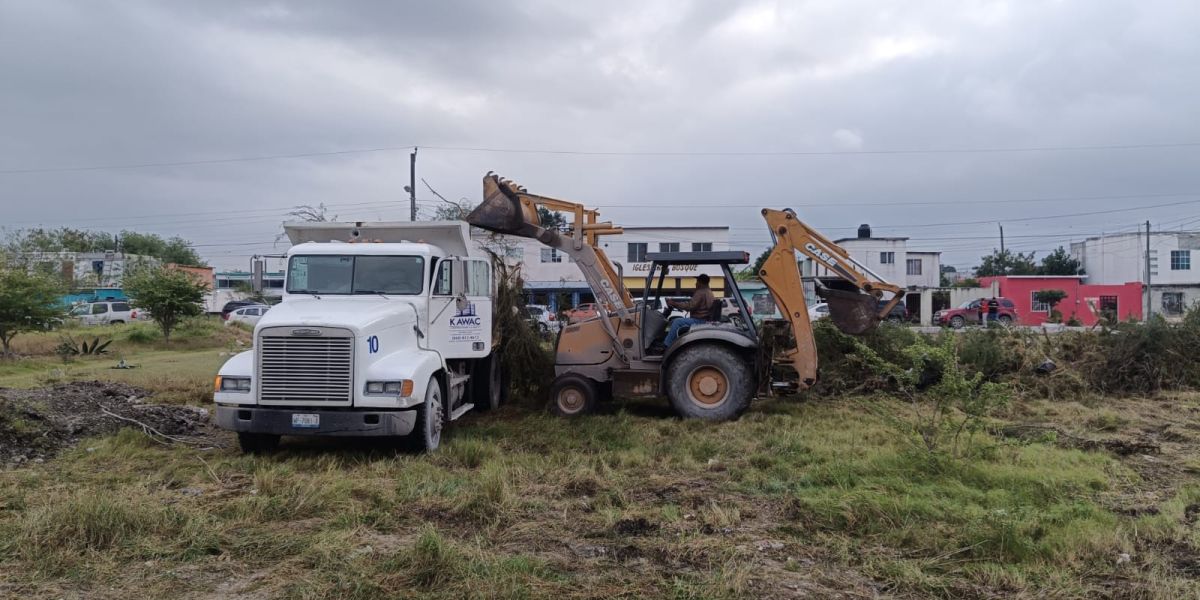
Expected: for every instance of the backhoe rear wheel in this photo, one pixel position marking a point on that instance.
(710, 382)
(573, 395)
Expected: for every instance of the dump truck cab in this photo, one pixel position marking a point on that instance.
(385, 329)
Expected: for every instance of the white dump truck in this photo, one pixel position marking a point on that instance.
(385, 329)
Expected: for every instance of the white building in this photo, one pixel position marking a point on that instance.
(551, 278)
(86, 269)
(889, 258)
(1121, 258)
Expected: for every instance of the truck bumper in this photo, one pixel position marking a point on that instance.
(330, 422)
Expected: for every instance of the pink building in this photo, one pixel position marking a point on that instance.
(1083, 301)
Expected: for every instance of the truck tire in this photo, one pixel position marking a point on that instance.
(257, 443)
(488, 386)
(711, 382)
(1005, 320)
(957, 322)
(573, 395)
(426, 435)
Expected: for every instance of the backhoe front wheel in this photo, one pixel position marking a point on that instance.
(573, 395)
(709, 382)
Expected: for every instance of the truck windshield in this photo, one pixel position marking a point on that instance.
(333, 274)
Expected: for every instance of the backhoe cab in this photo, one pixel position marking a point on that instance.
(715, 368)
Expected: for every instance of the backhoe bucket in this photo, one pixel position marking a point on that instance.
(502, 210)
(851, 311)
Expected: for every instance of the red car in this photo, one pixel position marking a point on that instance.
(581, 312)
(968, 313)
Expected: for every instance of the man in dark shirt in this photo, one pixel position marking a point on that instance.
(700, 306)
(993, 308)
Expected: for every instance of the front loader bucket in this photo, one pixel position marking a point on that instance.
(851, 311)
(502, 210)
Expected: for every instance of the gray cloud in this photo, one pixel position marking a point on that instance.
(96, 83)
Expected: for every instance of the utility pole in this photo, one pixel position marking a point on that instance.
(1003, 257)
(1149, 296)
(412, 184)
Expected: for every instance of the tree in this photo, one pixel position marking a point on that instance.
(969, 282)
(28, 302)
(310, 214)
(169, 294)
(550, 219)
(174, 250)
(1060, 262)
(751, 272)
(945, 280)
(1051, 298)
(1006, 263)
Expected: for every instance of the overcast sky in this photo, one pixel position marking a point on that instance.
(97, 84)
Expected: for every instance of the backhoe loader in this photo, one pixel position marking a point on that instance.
(716, 368)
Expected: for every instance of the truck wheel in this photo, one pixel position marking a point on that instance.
(426, 435)
(1005, 320)
(488, 389)
(711, 382)
(573, 395)
(257, 443)
(957, 322)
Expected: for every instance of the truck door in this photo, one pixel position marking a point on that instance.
(460, 308)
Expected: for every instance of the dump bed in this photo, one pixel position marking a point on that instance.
(454, 237)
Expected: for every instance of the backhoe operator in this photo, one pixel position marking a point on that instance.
(700, 307)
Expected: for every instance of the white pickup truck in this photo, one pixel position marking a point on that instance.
(385, 329)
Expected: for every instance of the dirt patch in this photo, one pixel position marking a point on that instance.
(36, 424)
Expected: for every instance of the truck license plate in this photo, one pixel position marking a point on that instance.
(306, 421)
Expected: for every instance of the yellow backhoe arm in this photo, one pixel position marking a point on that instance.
(852, 311)
(509, 209)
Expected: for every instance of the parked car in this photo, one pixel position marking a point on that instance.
(581, 312)
(233, 304)
(818, 311)
(898, 314)
(103, 313)
(542, 318)
(247, 314)
(967, 313)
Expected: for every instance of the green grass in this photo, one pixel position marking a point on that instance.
(819, 496)
(178, 372)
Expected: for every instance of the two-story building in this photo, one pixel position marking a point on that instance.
(889, 258)
(1122, 258)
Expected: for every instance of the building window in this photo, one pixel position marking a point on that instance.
(551, 255)
(1036, 306)
(914, 266)
(701, 246)
(1108, 306)
(668, 247)
(1181, 260)
(637, 252)
(887, 258)
(1172, 303)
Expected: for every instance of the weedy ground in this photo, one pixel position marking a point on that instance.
(800, 498)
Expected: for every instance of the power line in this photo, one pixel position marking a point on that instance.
(628, 153)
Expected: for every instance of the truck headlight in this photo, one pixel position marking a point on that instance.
(232, 384)
(403, 387)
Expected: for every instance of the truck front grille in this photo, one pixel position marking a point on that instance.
(304, 369)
